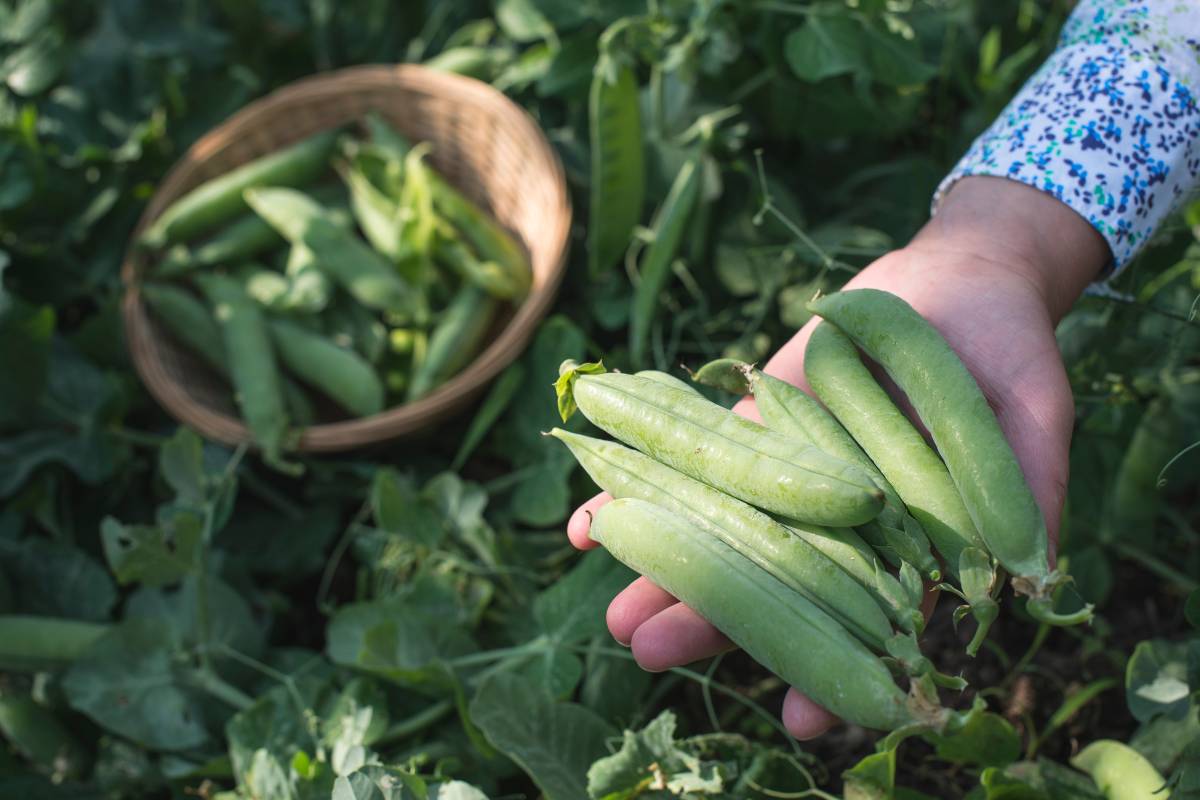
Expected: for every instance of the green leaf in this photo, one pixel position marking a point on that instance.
(232, 621)
(130, 683)
(18, 183)
(564, 386)
(400, 510)
(571, 610)
(521, 21)
(29, 17)
(502, 393)
(872, 778)
(654, 755)
(36, 65)
(154, 555)
(26, 331)
(543, 497)
(825, 46)
(987, 740)
(553, 742)
(1191, 608)
(391, 639)
(894, 60)
(57, 579)
(1156, 680)
(181, 463)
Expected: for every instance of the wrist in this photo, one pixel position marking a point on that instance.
(1023, 230)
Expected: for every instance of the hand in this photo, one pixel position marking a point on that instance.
(994, 271)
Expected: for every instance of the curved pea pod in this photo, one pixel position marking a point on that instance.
(618, 173)
(790, 558)
(40, 644)
(309, 290)
(787, 409)
(247, 236)
(487, 275)
(454, 341)
(668, 225)
(1120, 772)
(337, 372)
(856, 558)
(775, 625)
(257, 382)
(189, 320)
(666, 379)
(342, 256)
(964, 428)
(38, 735)
(847, 388)
(220, 199)
(725, 374)
(711, 444)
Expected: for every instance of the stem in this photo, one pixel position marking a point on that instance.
(211, 683)
(415, 723)
(1157, 566)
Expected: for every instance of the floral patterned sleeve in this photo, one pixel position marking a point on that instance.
(1110, 123)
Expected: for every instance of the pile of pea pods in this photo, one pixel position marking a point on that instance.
(332, 279)
(812, 539)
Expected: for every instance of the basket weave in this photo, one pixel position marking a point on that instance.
(482, 142)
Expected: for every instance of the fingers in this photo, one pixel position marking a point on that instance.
(637, 602)
(675, 636)
(803, 718)
(581, 522)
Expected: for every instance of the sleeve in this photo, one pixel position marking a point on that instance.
(1109, 124)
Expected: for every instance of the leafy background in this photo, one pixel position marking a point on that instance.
(410, 621)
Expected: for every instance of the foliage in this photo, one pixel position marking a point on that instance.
(411, 622)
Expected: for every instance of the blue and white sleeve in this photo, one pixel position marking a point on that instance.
(1110, 123)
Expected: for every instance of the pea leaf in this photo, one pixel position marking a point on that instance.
(130, 682)
(553, 742)
(825, 46)
(401, 510)
(894, 60)
(154, 555)
(36, 65)
(987, 740)
(1156, 680)
(872, 778)
(58, 579)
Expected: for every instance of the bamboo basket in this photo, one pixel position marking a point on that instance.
(482, 142)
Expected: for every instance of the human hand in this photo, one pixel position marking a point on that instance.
(994, 271)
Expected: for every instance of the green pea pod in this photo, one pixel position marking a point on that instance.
(977, 577)
(726, 451)
(667, 379)
(266, 287)
(334, 371)
(787, 409)
(309, 291)
(43, 644)
(490, 241)
(36, 733)
(474, 62)
(343, 257)
(216, 201)
(189, 320)
(725, 374)
(246, 237)
(1135, 499)
(618, 173)
(668, 225)
(378, 215)
(792, 559)
(1120, 772)
(847, 388)
(487, 275)
(454, 341)
(776, 626)
(354, 327)
(257, 383)
(967, 435)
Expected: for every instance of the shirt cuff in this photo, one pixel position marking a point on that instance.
(1105, 129)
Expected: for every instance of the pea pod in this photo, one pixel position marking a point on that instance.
(309, 290)
(487, 275)
(38, 735)
(335, 371)
(792, 559)
(965, 431)
(667, 226)
(490, 241)
(847, 388)
(220, 199)
(189, 320)
(257, 383)
(454, 341)
(1136, 498)
(39, 644)
(618, 173)
(347, 260)
(247, 236)
(776, 626)
(787, 409)
(714, 445)
(1120, 772)
(666, 379)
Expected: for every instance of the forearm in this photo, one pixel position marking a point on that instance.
(1029, 231)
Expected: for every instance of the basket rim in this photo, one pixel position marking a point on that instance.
(399, 420)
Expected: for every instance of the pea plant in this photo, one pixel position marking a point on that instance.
(183, 619)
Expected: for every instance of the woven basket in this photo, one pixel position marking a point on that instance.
(482, 142)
